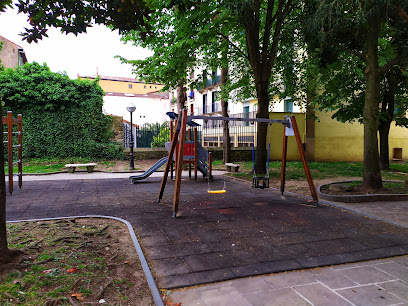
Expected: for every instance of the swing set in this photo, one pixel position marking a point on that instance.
(290, 128)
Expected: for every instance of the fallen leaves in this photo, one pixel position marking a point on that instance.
(78, 296)
(72, 270)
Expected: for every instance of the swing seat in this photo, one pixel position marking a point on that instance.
(217, 191)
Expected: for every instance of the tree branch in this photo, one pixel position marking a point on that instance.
(268, 26)
(233, 45)
(280, 18)
(391, 63)
(402, 13)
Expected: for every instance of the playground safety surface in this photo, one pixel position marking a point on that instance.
(216, 237)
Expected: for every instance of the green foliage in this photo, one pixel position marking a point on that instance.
(162, 137)
(61, 117)
(1, 48)
(73, 16)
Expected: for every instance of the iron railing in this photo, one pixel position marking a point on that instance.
(210, 133)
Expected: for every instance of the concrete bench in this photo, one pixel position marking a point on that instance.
(89, 167)
(232, 167)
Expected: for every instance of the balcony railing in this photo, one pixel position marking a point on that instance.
(215, 80)
(208, 109)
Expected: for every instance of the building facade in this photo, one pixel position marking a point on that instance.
(151, 105)
(11, 55)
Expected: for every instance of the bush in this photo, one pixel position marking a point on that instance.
(61, 117)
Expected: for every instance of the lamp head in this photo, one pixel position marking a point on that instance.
(131, 108)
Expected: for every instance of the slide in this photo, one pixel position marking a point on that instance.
(202, 157)
(149, 172)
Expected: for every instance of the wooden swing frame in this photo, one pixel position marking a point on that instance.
(290, 128)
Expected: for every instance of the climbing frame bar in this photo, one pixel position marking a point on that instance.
(9, 121)
(179, 162)
(283, 163)
(303, 158)
(169, 164)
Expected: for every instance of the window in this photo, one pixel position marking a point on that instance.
(288, 105)
(246, 115)
(213, 96)
(192, 109)
(205, 104)
(130, 86)
(144, 87)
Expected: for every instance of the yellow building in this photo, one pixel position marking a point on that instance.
(124, 85)
(327, 139)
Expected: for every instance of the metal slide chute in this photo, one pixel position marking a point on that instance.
(149, 172)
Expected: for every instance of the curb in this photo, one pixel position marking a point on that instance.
(361, 198)
(150, 280)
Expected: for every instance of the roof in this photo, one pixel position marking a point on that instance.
(19, 47)
(151, 95)
(114, 78)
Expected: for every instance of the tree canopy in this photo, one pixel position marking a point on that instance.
(75, 16)
(355, 27)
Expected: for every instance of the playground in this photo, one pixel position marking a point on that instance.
(243, 232)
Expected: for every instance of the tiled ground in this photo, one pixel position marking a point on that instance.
(380, 282)
(243, 232)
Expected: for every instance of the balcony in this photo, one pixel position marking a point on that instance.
(209, 109)
(214, 81)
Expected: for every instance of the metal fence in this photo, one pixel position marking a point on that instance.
(210, 133)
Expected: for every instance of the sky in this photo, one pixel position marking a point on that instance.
(84, 54)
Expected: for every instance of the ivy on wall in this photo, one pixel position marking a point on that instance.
(61, 117)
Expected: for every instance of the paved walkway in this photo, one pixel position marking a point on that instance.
(189, 250)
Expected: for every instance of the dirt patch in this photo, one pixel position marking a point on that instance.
(302, 187)
(73, 262)
(355, 188)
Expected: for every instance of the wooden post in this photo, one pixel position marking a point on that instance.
(10, 149)
(302, 156)
(189, 164)
(20, 149)
(179, 163)
(171, 130)
(210, 165)
(283, 163)
(169, 161)
(195, 153)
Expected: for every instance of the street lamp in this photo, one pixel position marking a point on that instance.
(131, 108)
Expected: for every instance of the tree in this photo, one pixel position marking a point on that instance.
(265, 24)
(173, 56)
(354, 27)
(183, 41)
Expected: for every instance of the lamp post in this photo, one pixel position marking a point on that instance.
(131, 108)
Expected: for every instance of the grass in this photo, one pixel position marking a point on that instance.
(71, 260)
(46, 165)
(294, 169)
(321, 170)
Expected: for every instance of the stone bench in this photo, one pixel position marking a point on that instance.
(89, 167)
(232, 167)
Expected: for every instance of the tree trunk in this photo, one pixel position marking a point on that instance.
(372, 172)
(263, 112)
(181, 95)
(387, 116)
(384, 131)
(226, 143)
(5, 254)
